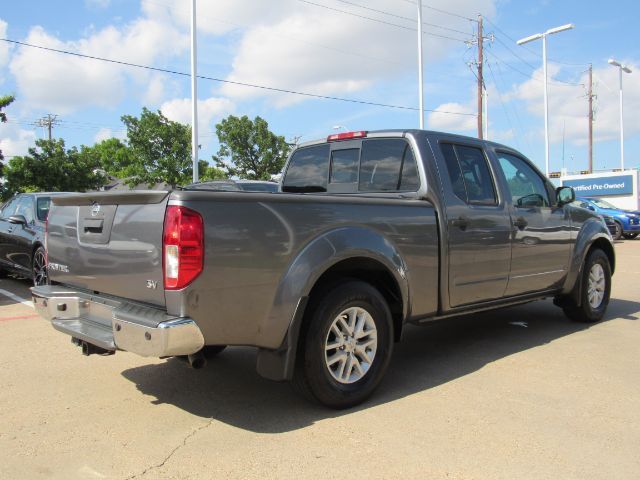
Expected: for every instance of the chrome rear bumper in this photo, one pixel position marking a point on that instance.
(114, 324)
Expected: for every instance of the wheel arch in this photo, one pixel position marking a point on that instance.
(344, 253)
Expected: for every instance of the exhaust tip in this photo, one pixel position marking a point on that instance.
(197, 360)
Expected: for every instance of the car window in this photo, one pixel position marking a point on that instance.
(526, 187)
(344, 165)
(387, 165)
(42, 207)
(25, 208)
(469, 173)
(308, 170)
(10, 207)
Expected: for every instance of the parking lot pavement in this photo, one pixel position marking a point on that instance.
(519, 393)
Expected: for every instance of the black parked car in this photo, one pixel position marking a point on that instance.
(22, 229)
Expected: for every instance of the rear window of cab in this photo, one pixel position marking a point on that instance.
(379, 165)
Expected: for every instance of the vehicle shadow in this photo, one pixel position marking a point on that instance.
(230, 391)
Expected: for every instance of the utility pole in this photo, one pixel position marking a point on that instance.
(590, 97)
(480, 78)
(48, 121)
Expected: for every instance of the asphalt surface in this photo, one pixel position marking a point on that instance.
(518, 393)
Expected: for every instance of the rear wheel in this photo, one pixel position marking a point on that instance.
(630, 236)
(346, 347)
(595, 290)
(617, 234)
(39, 267)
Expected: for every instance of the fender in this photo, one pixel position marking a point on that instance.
(309, 265)
(593, 230)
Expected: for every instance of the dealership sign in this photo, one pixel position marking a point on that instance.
(618, 185)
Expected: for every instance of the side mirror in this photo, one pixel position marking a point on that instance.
(530, 201)
(17, 219)
(565, 195)
(591, 207)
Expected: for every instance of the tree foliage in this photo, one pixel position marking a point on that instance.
(4, 103)
(248, 149)
(113, 155)
(160, 149)
(52, 167)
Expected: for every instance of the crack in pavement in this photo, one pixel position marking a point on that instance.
(168, 457)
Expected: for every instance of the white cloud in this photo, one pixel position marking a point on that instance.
(15, 140)
(324, 52)
(4, 46)
(64, 83)
(451, 122)
(105, 133)
(568, 107)
(179, 110)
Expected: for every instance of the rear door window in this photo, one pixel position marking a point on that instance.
(308, 170)
(469, 173)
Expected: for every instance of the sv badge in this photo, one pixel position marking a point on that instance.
(152, 284)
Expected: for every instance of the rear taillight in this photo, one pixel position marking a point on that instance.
(182, 247)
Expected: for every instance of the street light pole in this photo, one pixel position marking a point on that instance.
(543, 36)
(626, 69)
(194, 94)
(420, 61)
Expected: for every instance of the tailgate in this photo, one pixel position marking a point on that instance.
(109, 242)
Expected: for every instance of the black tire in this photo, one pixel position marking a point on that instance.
(210, 351)
(39, 267)
(630, 236)
(586, 312)
(313, 376)
(617, 235)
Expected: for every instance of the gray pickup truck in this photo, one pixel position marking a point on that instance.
(370, 231)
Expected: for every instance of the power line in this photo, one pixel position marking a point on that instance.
(401, 17)
(48, 122)
(442, 11)
(288, 37)
(384, 22)
(230, 82)
(533, 51)
(558, 83)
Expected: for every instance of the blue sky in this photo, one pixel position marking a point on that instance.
(324, 47)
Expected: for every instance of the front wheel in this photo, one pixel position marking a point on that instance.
(595, 290)
(617, 234)
(347, 346)
(39, 268)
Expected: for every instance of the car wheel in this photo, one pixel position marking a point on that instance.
(630, 236)
(39, 267)
(595, 290)
(618, 233)
(346, 347)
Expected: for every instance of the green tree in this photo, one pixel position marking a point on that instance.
(51, 167)
(248, 149)
(160, 147)
(209, 172)
(4, 103)
(114, 156)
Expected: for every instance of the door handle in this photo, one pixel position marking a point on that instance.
(462, 222)
(520, 223)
